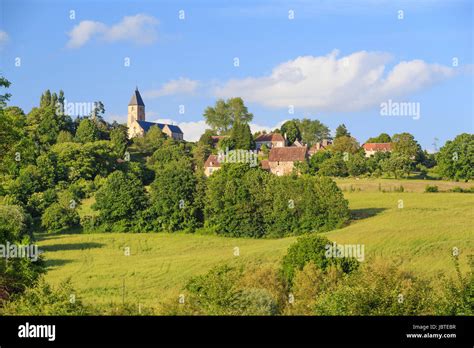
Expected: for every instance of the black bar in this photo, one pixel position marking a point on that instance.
(289, 331)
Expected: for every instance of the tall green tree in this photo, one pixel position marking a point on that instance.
(341, 131)
(456, 158)
(87, 131)
(225, 114)
(242, 136)
(292, 131)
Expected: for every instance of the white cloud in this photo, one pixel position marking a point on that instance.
(3, 38)
(328, 83)
(194, 129)
(179, 86)
(139, 29)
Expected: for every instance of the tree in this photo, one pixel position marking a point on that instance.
(242, 136)
(382, 138)
(290, 128)
(87, 131)
(341, 131)
(406, 145)
(397, 164)
(119, 140)
(334, 166)
(57, 217)
(313, 248)
(238, 111)
(225, 114)
(312, 131)
(456, 158)
(345, 144)
(357, 165)
(120, 198)
(64, 137)
(173, 195)
(4, 97)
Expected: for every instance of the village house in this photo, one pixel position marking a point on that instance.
(270, 140)
(372, 148)
(211, 165)
(138, 126)
(281, 160)
(319, 146)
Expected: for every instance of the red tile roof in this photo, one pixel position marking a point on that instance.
(270, 137)
(287, 154)
(265, 164)
(212, 161)
(377, 146)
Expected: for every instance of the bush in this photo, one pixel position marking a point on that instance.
(56, 217)
(42, 299)
(429, 188)
(312, 248)
(120, 198)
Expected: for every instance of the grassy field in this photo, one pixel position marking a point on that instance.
(420, 237)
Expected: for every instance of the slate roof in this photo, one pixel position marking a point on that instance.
(287, 154)
(136, 99)
(147, 125)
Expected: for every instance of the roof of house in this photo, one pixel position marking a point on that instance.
(270, 137)
(297, 143)
(287, 154)
(147, 125)
(136, 99)
(377, 146)
(212, 161)
(265, 164)
(216, 138)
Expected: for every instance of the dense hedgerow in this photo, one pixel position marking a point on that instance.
(249, 202)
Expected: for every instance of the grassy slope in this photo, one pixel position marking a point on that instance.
(420, 236)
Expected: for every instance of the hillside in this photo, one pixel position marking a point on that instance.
(419, 237)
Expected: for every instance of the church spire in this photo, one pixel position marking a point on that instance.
(136, 98)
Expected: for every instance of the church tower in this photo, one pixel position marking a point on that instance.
(136, 108)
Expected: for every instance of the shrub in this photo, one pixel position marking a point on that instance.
(312, 248)
(430, 188)
(56, 217)
(42, 299)
(120, 198)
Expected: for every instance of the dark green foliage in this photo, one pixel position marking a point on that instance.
(121, 197)
(382, 138)
(456, 158)
(341, 131)
(290, 128)
(357, 165)
(119, 140)
(242, 137)
(173, 195)
(429, 188)
(244, 201)
(334, 166)
(233, 201)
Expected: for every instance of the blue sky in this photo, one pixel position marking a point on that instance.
(335, 61)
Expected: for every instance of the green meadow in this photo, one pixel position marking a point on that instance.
(416, 230)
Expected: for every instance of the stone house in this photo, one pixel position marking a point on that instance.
(281, 160)
(372, 148)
